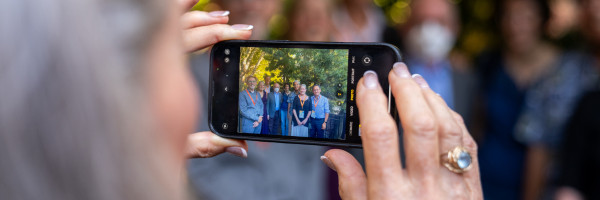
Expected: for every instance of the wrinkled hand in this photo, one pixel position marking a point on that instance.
(203, 29)
(207, 144)
(430, 129)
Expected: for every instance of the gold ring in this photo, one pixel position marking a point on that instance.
(457, 160)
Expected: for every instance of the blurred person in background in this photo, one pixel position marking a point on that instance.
(528, 90)
(255, 12)
(271, 172)
(358, 21)
(579, 177)
(310, 20)
(274, 109)
(428, 36)
(264, 97)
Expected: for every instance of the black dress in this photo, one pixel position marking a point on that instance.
(301, 106)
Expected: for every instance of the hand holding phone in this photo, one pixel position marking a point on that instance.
(324, 75)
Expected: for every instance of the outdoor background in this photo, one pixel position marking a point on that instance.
(325, 67)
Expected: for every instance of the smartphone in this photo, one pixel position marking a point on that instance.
(293, 92)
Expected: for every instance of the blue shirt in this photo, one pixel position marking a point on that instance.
(276, 102)
(319, 106)
(285, 103)
(438, 76)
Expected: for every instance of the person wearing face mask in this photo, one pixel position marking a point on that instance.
(273, 110)
(427, 38)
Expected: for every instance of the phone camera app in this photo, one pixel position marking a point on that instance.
(226, 59)
(225, 126)
(227, 52)
(367, 60)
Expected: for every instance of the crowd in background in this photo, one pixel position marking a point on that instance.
(529, 93)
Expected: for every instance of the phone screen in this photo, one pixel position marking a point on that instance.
(299, 92)
(294, 92)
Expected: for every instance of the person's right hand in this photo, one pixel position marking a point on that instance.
(430, 130)
(260, 119)
(255, 124)
(268, 117)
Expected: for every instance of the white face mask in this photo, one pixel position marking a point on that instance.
(430, 41)
(276, 89)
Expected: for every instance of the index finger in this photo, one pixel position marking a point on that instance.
(379, 137)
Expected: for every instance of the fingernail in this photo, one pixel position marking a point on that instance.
(220, 13)
(328, 162)
(420, 80)
(401, 70)
(370, 79)
(242, 27)
(238, 151)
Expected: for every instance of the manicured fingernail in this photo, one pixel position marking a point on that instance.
(370, 79)
(242, 27)
(328, 162)
(220, 13)
(420, 80)
(401, 70)
(238, 151)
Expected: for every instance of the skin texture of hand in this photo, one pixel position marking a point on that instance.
(255, 124)
(207, 144)
(201, 30)
(430, 129)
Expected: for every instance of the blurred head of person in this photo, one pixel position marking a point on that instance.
(251, 82)
(89, 110)
(286, 87)
(590, 22)
(267, 79)
(310, 20)
(431, 30)
(254, 12)
(261, 86)
(302, 89)
(522, 24)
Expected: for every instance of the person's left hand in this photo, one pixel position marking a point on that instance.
(324, 126)
(202, 30)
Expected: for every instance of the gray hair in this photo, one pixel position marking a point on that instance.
(72, 122)
(303, 86)
(297, 81)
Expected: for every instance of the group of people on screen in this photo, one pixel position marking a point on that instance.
(265, 109)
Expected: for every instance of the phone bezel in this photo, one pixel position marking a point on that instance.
(294, 44)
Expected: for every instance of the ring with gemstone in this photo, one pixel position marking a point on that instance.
(457, 160)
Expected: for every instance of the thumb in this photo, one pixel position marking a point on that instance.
(207, 144)
(351, 177)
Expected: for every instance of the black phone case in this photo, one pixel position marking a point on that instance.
(288, 140)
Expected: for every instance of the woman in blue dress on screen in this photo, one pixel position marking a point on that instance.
(263, 97)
